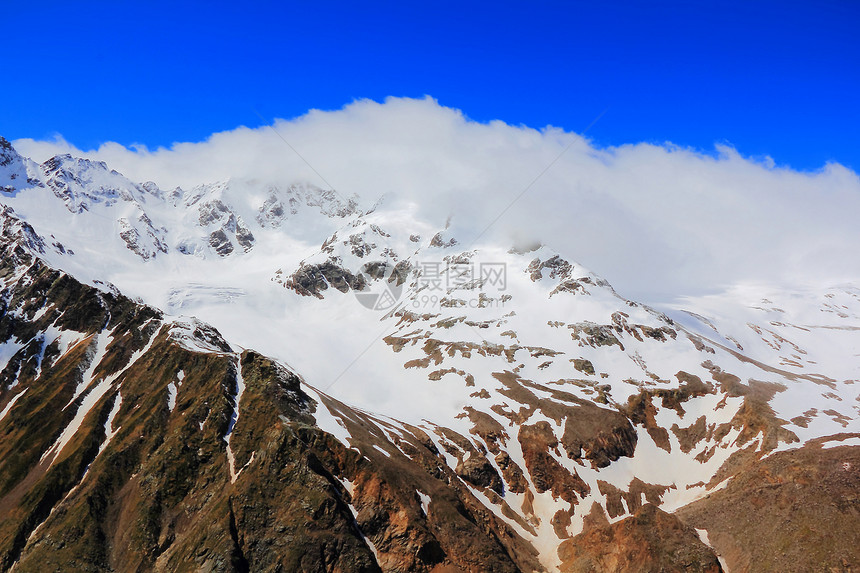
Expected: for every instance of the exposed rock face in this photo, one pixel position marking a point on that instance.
(218, 240)
(641, 410)
(215, 214)
(649, 541)
(160, 496)
(244, 236)
(547, 474)
(7, 153)
(313, 279)
(80, 183)
(146, 248)
(283, 203)
(793, 511)
(438, 241)
(584, 366)
(477, 470)
(453, 532)
(17, 236)
(14, 172)
(632, 497)
(598, 434)
(555, 266)
(594, 334)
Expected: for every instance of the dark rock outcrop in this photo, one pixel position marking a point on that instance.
(313, 279)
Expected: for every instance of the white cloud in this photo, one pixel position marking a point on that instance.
(657, 221)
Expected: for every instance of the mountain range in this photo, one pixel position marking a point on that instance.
(255, 375)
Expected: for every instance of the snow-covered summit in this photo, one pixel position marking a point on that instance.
(82, 183)
(16, 172)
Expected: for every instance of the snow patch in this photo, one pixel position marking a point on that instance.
(196, 336)
(171, 396)
(109, 430)
(327, 420)
(348, 485)
(703, 536)
(380, 450)
(854, 441)
(425, 501)
(11, 403)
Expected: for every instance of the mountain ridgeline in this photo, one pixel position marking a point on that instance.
(411, 406)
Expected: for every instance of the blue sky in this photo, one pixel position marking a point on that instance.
(770, 78)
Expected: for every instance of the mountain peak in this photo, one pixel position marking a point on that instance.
(82, 183)
(4, 146)
(15, 171)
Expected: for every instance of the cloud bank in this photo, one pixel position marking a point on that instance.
(657, 221)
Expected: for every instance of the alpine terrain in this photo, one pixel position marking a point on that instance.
(254, 375)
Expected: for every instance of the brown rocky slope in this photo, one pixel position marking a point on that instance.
(649, 540)
(794, 511)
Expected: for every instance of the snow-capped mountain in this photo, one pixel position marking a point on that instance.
(458, 407)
